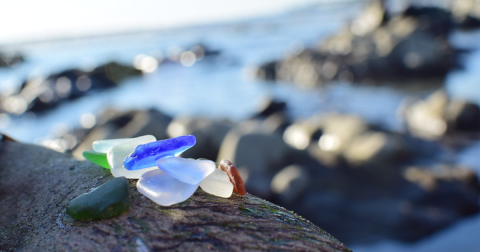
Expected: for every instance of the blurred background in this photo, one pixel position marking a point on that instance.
(362, 116)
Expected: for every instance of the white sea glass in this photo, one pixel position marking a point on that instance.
(104, 145)
(218, 184)
(186, 170)
(164, 189)
(117, 154)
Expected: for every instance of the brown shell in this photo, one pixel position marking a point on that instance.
(234, 176)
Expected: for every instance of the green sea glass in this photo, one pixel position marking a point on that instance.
(97, 158)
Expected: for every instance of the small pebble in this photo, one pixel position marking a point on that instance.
(234, 176)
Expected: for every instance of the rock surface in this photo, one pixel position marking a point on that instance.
(36, 190)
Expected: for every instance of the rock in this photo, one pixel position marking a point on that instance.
(113, 124)
(233, 175)
(269, 107)
(218, 184)
(106, 201)
(209, 134)
(290, 183)
(201, 223)
(146, 155)
(8, 58)
(189, 171)
(439, 115)
(39, 94)
(376, 47)
(257, 156)
(98, 158)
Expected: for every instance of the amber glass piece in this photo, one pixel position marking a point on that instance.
(234, 176)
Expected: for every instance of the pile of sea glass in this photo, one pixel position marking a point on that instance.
(162, 176)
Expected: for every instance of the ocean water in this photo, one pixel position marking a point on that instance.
(223, 87)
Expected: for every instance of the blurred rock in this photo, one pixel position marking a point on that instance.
(40, 94)
(116, 124)
(289, 183)
(439, 115)
(8, 58)
(209, 134)
(375, 47)
(258, 156)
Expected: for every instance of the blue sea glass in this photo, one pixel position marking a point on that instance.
(146, 155)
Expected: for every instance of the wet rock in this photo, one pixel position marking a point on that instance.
(375, 47)
(439, 115)
(8, 58)
(31, 223)
(41, 94)
(290, 183)
(106, 201)
(257, 156)
(112, 124)
(209, 134)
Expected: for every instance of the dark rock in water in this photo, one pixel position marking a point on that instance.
(34, 219)
(375, 48)
(439, 115)
(120, 124)
(42, 94)
(106, 201)
(209, 134)
(269, 107)
(8, 59)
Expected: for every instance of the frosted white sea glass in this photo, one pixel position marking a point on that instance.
(164, 189)
(117, 154)
(218, 184)
(186, 170)
(104, 145)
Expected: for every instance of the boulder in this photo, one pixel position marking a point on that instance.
(439, 115)
(36, 191)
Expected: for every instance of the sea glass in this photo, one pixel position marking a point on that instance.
(117, 154)
(218, 184)
(105, 145)
(97, 158)
(234, 176)
(189, 171)
(146, 155)
(164, 189)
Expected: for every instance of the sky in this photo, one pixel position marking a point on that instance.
(27, 20)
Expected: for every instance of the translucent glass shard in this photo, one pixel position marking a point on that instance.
(105, 145)
(217, 184)
(97, 158)
(186, 170)
(146, 155)
(234, 176)
(117, 154)
(164, 189)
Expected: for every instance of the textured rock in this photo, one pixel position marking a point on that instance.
(202, 223)
(106, 201)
